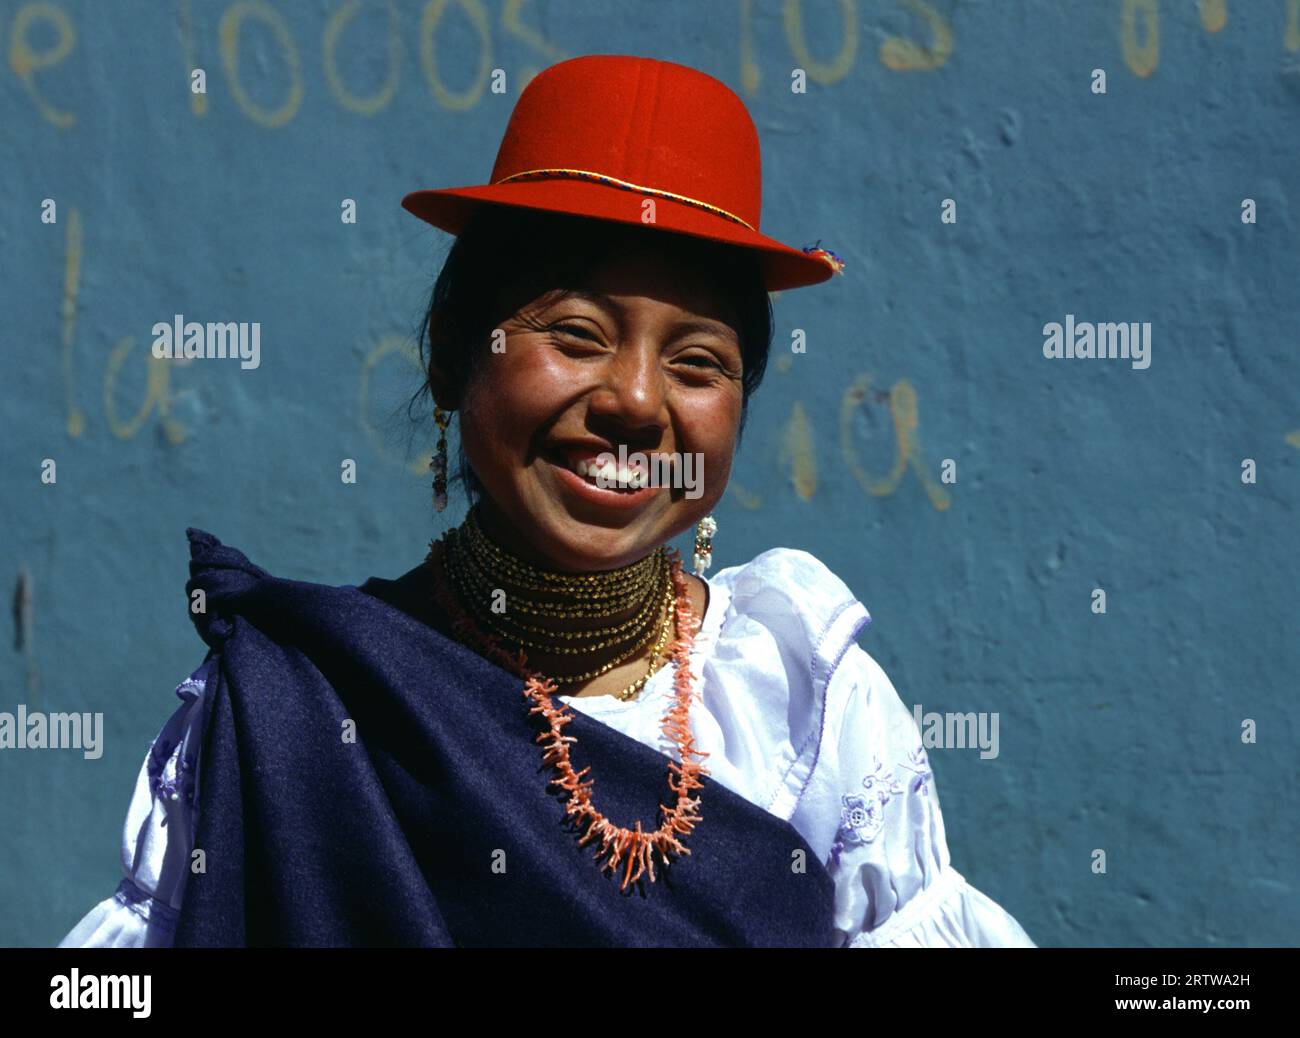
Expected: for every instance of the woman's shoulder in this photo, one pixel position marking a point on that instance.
(784, 626)
(799, 598)
(225, 583)
(778, 559)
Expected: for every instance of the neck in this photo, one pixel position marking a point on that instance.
(524, 611)
(505, 535)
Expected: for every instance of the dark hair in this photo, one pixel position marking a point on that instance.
(506, 256)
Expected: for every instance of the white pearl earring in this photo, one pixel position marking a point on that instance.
(704, 532)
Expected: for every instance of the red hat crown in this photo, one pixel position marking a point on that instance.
(696, 139)
(596, 135)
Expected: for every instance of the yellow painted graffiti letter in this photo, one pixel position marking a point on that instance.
(907, 450)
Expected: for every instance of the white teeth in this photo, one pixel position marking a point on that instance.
(611, 473)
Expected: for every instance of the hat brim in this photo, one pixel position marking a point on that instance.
(449, 209)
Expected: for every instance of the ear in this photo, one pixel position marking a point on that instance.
(442, 394)
(439, 384)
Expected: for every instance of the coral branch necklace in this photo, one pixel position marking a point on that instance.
(632, 849)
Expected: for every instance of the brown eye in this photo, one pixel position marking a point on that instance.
(575, 330)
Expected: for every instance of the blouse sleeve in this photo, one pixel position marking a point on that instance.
(157, 836)
(873, 790)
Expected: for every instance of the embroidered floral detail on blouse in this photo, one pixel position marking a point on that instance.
(921, 769)
(170, 774)
(170, 769)
(862, 815)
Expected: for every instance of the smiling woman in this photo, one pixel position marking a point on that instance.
(357, 765)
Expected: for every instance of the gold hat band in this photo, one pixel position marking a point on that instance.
(584, 174)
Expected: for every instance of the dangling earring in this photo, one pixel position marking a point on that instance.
(438, 463)
(704, 532)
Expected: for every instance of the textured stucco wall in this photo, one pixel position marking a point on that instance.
(1119, 731)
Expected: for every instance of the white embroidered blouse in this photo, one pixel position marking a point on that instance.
(796, 717)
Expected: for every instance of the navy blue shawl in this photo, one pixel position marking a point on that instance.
(435, 827)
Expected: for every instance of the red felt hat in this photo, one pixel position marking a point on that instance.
(597, 135)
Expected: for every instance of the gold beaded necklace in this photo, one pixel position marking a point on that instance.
(480, 570)
(586, 594)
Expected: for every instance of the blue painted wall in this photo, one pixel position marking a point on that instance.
(1120, 732)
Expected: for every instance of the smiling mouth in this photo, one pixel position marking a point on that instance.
(630, 483)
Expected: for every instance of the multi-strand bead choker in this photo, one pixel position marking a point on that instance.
(485, 576)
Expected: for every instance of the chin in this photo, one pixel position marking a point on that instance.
(585, 546)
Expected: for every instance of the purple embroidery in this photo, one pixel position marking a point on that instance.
(169, 773)
(170, 769)
(921, 770)
(168, 788)
(862, 814)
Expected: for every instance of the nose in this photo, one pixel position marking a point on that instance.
(634, 391)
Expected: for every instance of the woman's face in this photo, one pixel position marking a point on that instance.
(642, 356)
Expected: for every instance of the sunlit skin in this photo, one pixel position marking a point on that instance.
(646, 356)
